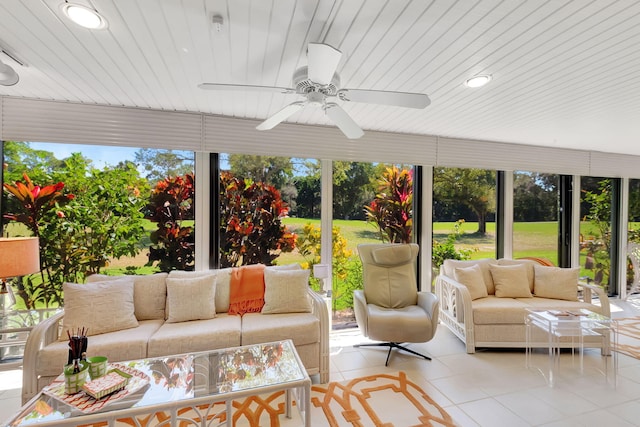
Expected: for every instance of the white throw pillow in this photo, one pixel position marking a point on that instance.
(556, 282)
(149, 293)
(99, 307)
(191, 298)
(511, 281)
(471, 277)
(285, 291)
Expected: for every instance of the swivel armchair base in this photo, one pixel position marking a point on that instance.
(391, 346)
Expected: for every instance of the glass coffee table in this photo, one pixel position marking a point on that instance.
(190, 387)
(572, 329)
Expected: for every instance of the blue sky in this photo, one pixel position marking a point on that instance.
(100, 155)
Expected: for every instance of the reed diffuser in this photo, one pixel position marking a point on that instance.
(77, 348)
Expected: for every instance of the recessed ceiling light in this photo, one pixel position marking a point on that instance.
(83, 16)
(478, 81)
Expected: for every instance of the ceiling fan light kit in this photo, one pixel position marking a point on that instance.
(8, 76)
(317, 82)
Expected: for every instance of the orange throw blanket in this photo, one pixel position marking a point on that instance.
(246, 293)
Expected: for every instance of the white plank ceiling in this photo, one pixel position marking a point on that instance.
(565, 73)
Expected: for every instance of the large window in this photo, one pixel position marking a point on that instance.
(97, 210)
(633, 235)
(464, 203)
(535, 215)
(595, 230)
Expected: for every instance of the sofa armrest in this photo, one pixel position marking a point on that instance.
(319, 309)
(41, 335)
(456, 311)
(587, 296)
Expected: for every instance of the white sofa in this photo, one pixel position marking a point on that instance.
(134, 317)
(495, 316)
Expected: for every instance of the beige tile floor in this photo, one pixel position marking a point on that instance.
(490, 388)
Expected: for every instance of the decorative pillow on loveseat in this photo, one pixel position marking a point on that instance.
(285, 291)
(556, 282)
(511, 281)
(191, 298)
(99, 307)
(149, 293)
(471, 277)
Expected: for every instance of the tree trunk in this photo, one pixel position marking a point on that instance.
(482, 224)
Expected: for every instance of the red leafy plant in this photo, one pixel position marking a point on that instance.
(391, 210)
(251, 230)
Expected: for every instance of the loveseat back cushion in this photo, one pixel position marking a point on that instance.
(98, 307)
(149, 293)
(529, 264)
(556, 282)
(223, 280)
(510, 281)
(389, 274)
(472, 278)
(191, 298)
(449, 269)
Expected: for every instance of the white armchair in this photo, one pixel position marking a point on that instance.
(390, 308)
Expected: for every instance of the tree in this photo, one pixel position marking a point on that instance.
(353, 187)
(535, 197)
(161, 164)
(251, 231)
(272, 170)
(474, 188)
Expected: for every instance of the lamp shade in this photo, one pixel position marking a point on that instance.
(19, 256)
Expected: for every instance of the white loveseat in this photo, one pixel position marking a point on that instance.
(484, 302)
(133, 317)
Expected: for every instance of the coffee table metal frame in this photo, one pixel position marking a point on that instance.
(207, 366)
(573, 329)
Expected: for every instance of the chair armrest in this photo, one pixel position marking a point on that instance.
(360, 310)
(319, 309)
(429, 302)
(41, 335)
(587, 295)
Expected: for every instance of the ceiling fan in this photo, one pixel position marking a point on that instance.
(318, 83)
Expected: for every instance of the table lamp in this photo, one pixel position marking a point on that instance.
(19, 256)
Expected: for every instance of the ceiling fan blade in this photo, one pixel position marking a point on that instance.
(250, 88)
(280, 116)
(398, 99)
(343, 120)
(323, 62)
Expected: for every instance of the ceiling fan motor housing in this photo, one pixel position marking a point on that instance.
(304, 85)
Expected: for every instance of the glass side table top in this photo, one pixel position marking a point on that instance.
(181, 378)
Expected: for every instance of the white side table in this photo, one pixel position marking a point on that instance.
(572, 327)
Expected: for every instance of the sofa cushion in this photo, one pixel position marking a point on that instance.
(495, 310)
(127, 344)
(510, 281)
(223, 280)
(556, 282)
(198, 335)
(471, 277)
(449, 266)
(149, 293)
(301, 328)
(529, 264)
(98, 307)
(286, 291)
(191, 298)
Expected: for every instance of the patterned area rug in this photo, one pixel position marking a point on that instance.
(629, 336)
(383, 400)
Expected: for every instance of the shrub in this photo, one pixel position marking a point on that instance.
(173, 242)
(391, 209)
(251, 230)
